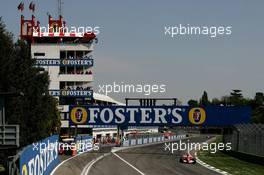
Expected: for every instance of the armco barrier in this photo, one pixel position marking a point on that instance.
(133, 142)
(139, 141)
(40, 157)
(150, 139)
(126, 143)
(84, 143)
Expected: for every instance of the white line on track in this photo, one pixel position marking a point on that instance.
(140, 172)
(64, 161)
(88, 167)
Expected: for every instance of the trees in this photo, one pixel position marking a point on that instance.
(236, 97)
(204, 100)
(36, 111)
(258, 108)
(259, 98)
(225, 100)
(193, 103)
(216, 101)
(258, 115)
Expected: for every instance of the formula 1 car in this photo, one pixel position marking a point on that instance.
(187, 158)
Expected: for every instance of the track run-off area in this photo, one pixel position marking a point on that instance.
(148, 159)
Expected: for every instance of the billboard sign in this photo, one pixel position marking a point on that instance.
(64, 62)
(40, 157)
(159, 115)
(72, 93)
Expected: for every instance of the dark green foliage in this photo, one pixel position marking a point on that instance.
(204, 100)
(259, 98)
(258, 108)
(193, 103)
(216, 101)
(35, 111)
(236, 99)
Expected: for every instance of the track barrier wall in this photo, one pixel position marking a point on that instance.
(150, 139)
(246, 138)
(84, 143)
(40, 157)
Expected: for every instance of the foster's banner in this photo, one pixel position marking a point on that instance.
(72, 93)
(65, 62)
(159, 115)
(40, 157)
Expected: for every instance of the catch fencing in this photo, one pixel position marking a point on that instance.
(246, 138)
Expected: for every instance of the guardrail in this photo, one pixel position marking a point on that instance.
(246, 138)
(84, 143)
(150, 139)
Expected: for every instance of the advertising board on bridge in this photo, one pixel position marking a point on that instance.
(159, 115)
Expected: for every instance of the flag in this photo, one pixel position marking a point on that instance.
(20, 6)
(32, 7)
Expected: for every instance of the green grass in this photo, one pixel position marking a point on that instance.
(230, 164)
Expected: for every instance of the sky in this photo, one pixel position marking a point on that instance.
(134, 49)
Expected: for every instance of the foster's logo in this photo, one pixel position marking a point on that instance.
(197, 116)
(78, 115)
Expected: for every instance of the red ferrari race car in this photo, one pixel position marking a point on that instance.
(187, 158)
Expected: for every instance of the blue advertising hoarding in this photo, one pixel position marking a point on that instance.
(72, 93)
(40, 157)
(159, 115)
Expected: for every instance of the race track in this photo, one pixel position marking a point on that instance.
(149, 160)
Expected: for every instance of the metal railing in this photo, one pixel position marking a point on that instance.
(246, 138)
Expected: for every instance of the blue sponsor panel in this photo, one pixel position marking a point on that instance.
(159, 115)
(40, 157)
(71, 93)
(64, 62)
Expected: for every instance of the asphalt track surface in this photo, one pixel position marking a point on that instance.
(149, 160)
